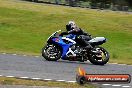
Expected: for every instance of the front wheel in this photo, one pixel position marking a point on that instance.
(99, 56)
(51, 52)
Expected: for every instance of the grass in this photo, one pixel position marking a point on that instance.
(25, 26)
(14, 81)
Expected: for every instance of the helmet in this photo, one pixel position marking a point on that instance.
(70, 26)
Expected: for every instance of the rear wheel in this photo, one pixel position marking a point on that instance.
(99, 56)
(51, 52)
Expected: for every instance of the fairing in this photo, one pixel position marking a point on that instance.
(97, 40)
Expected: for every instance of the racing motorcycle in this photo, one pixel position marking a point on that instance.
(66, 48)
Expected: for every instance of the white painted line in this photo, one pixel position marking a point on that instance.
(24, 55)
(113, 63)
(36, 78)
(116, 85)
(60, 80)
(122, 64)
(71, 81)
(39, 56)
(10, 76)
(126, 86)
(14, 54)
(4, 53)
(23, 77)
(106, 84)
(47, 79)
(36, 56)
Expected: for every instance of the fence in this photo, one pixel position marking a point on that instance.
(78, 3)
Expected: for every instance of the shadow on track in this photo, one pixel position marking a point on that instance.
(73, 62)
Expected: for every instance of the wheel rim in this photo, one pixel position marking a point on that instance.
(102, 56)
(51, 51)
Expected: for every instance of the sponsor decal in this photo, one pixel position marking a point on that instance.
(56, 39)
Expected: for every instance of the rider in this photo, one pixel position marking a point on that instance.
(81, 37)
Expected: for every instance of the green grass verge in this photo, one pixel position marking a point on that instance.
(14, 81)
(25, 26)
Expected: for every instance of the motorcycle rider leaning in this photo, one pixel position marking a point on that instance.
(81, 37)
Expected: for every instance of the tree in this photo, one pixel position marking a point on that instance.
(129, 2)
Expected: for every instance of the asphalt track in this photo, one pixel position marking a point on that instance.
(35, 67)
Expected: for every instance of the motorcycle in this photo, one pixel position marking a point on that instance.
(66, 48)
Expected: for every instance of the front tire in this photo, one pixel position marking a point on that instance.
(51, 52)
(94, 59)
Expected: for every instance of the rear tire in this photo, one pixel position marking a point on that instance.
(93, 59)
(48, 52)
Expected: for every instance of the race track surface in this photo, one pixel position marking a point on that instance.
(37, 67)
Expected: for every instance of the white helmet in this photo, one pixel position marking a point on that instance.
(70, 26)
